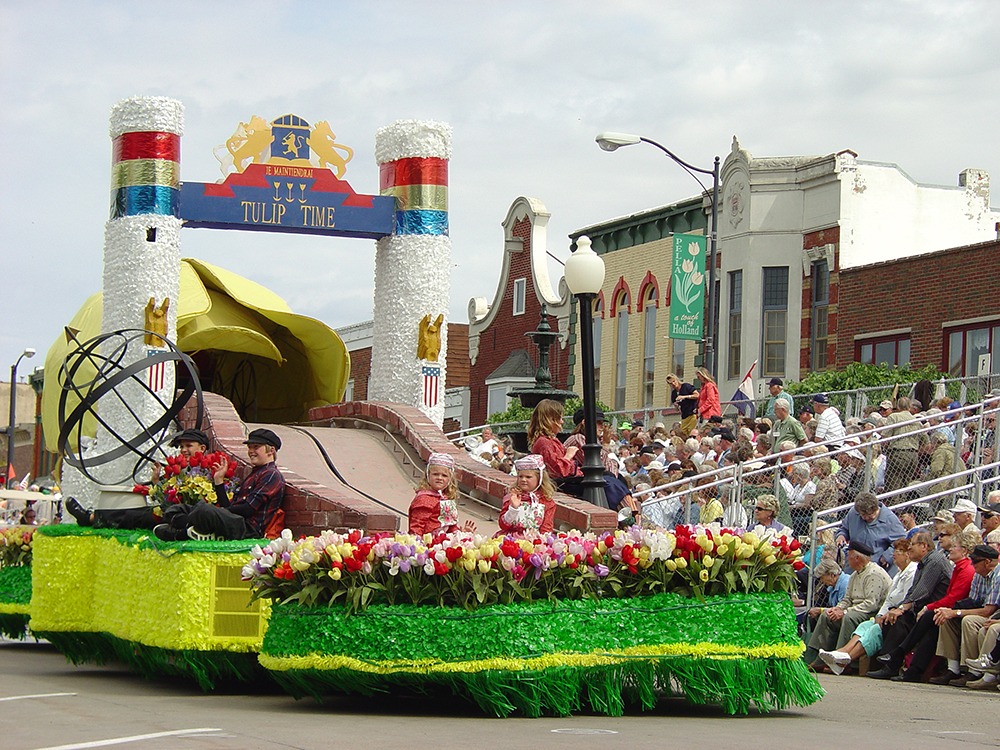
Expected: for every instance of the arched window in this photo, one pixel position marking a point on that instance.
(622, 306)
(650, 301)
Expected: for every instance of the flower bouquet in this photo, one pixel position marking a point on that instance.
(538, 624)
(186, 480)
(15, 579)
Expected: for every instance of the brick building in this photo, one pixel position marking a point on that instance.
(939, 308)
(500, 354)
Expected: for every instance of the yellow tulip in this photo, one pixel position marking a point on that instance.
(770, 560)
(707, 561)
(703, 575)
(681, 563)
(334, 574)
(670, 565)
(723, 550)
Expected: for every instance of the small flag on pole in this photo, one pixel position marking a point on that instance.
(431, 378)
(743, 399)
(156, 376)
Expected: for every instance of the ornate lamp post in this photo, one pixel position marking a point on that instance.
(584, 274)
(29, 353)
(613, 141)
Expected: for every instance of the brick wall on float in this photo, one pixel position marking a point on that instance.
(919, 293)
(309, 507)
(810, 240)
(506, 332)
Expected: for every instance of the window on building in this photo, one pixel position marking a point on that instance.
(621, 349)
(892, 350)
(496, 390)
(820, 322)
(649, 345)
(349, 391)
(964, 346)
(775, 320)
(519, 291)
(735, 323)
(598, 321)
(678, 347)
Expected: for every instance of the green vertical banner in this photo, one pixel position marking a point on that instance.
(687, 287)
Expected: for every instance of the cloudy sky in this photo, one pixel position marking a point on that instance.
(525, 84)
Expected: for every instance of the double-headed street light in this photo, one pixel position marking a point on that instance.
(29, 353)
(613, 141)
(584, 273)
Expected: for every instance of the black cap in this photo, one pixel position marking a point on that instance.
(263, 437)
(192, 436)
(578, 416)
(992, 508)
(775, 381)
(637, 423)
(820, 398)
(648, 450)
(861, 547)
(715, 419)
(983, 552)
(726, 434)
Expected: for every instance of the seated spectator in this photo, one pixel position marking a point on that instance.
(834, 581)
(963, 626)
(866, 590)
(913, 517)
(768, 525)
(965, 513)
(798, 490)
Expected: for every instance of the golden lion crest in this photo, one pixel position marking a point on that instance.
(285, 140)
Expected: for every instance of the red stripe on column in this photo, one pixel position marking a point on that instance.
(146, 145)
(414, 171)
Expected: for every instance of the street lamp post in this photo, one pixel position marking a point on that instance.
(613, 141)
(584, 274)
(29, 353)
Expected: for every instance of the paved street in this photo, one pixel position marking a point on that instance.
(47, 703)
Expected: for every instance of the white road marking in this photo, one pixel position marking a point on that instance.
(37, 695)
(133, 738)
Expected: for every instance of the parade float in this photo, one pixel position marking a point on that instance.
(564, 622)
(552, 625)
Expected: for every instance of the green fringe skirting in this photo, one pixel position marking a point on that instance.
(15, 600)
(207, 668)
(552, 657)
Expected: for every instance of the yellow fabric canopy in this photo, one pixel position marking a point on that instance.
(273, 364)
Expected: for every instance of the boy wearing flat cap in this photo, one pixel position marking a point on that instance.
(249, 512)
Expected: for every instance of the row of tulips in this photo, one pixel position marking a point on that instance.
(15, 545)
(471, 570)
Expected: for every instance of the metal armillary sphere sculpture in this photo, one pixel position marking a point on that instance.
(105, 354)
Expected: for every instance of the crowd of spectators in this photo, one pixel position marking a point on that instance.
(911, 586)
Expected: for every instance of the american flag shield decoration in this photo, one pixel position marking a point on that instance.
(156, 375)
(431, 378)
